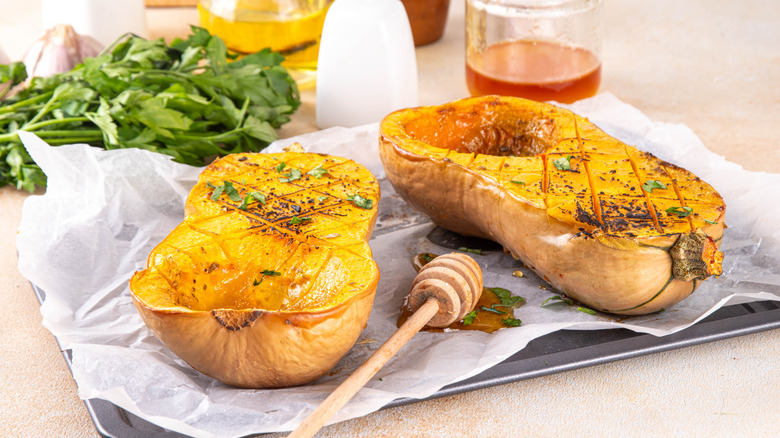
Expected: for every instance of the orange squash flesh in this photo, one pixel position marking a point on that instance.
(276, 293)
(560, 195)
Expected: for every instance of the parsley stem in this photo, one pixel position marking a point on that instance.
(65, 133)
(55, 122)
(27, 102)
(71, 140)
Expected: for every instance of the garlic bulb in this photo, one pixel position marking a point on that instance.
(58, 51)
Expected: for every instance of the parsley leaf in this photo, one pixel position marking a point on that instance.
(298, 220)
(182, 99)
(557, 298)
(522, 183)
(317, 172)
(491, 309)
(469, 318)
(292, 175)
(280, 167)
(264, 273)
(248, 199)
(506, 297)
(680, 211)
(711, 222)
(227, 188)
(651, 184)
(361, 201)
(563, 163)
(512, 322)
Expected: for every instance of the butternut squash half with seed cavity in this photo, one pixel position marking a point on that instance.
(603, 222)
(269, 280)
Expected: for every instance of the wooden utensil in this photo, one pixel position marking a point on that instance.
(444, 291)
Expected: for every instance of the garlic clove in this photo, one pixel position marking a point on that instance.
(58, 51)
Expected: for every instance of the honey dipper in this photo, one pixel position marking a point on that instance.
(444, 291)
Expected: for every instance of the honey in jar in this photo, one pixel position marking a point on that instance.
(292, 28)
(537, 70)
(537, 49)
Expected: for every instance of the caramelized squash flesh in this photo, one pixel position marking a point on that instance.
(269, 280)
(601, 221)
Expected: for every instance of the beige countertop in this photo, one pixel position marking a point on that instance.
(711, 65)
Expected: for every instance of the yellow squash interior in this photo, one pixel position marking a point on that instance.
(518, 146)
(222, 257)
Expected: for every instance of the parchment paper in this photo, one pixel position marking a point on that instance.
(105, 210)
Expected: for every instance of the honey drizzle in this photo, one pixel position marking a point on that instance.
(485, 321)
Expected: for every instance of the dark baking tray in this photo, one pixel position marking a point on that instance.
(553, 353)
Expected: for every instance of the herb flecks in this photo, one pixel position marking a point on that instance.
(361, 201)
(563, 163)
(295, 220)
(652, 184)
(318, 172)
(264, 273)
(251, 197)
(559, 299)
(681, 212)
(292, 175)
(227, 188)
(470, 250)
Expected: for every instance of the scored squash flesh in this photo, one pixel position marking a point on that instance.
(603, 222)
(269, 280)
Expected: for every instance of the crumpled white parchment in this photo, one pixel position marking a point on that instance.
(104, 211)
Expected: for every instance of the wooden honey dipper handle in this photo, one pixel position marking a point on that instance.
(434, 301)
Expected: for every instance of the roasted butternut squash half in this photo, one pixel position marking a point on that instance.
(269, 280)
(603, 222)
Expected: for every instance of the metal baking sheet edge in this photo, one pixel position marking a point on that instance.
(553, 353)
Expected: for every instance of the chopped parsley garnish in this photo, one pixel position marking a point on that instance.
(292, 175)
(491, 309)
(711, 222)
(470, 250)
(469, 318)
(427, 257)
(522, 183)
(557, 298)
(506, 297)
(680, 211)
(264, 273)
(361, 201)
(227, 188)
(512, 322)
(281, 167)
(560, 299)
(318, 171)
(299, 220)
(251, 197)
(321, 198)
(651, 184)
(563, 163)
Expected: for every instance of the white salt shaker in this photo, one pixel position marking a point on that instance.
(367, 66)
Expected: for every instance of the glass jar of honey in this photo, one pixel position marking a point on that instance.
(290, 27)
(537, 49)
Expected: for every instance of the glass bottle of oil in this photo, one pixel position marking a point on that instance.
(291, 27)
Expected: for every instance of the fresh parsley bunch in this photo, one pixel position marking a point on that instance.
(184, 100)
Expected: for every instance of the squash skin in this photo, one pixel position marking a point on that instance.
(445, 161)
(249, 329)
